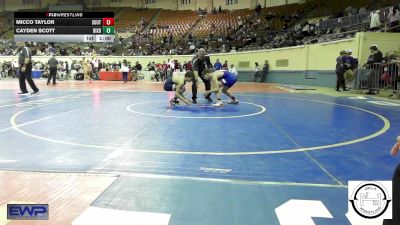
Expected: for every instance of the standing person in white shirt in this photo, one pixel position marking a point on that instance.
(171, 64)
(125, 70)
(233, 70)
(375, 21)
(15, 66)
(256, 72)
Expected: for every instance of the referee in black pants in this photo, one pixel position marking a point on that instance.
(53, 63)
(25, 69)
(200, 62)
(395, 200)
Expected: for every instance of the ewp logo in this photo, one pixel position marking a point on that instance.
(27, 211)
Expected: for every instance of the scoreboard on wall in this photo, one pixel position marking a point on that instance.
(64, 27)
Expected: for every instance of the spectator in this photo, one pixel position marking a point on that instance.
(362, 10)
(164, 71)
(258, 9)
(394, 17)
(265, 71)
(142, 21)
(192, 48)
(67, 70)
(285, 26)
(225, 65)
(87, 70)
(138, 68)
(353, 62)
(351, 11)
(95, 63)
(396, 76)
(177, 66)
(233, 70)
(350, 65)
(15, 68)
(171, 64)
(256, 72)
(375, 57)
(184, 67)
(53, 63)
(340, 69)
(189, 65)
(348, 10)
(306, 29)
(375, 23)
(219, 38)
(151, 66)
(223, 48)
(125, 70)
(190, 37)
(217, 65)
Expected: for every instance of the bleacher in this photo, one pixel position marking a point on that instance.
(130, 19)
(6, 25)
(225, 25)
(179, 23)
(222, 22)
(325, 30)
(273, 16)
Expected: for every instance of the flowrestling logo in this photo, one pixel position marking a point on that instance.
(370, 199)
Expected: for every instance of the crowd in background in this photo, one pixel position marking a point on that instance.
(380, 71)
(89, 68)
(255, 30)
(252, 30)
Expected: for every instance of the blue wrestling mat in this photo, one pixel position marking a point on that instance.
(206, 165)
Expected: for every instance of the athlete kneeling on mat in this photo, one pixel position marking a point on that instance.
(221, 81)
(177, 84)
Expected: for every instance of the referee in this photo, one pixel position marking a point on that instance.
(53, 63)
(25, 69)
(200, 62)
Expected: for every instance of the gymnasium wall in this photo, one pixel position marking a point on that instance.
(303, 65)
(12, 5)
(122, 3)
(249, 4)
(165, 4)
(385, 42)
(193, 5)
(45, 3)
(202, 4)
(189, 6)
(271, 3)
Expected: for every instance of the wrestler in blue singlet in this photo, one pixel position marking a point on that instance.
(228, 79)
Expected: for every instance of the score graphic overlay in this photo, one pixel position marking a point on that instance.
(64, 27)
